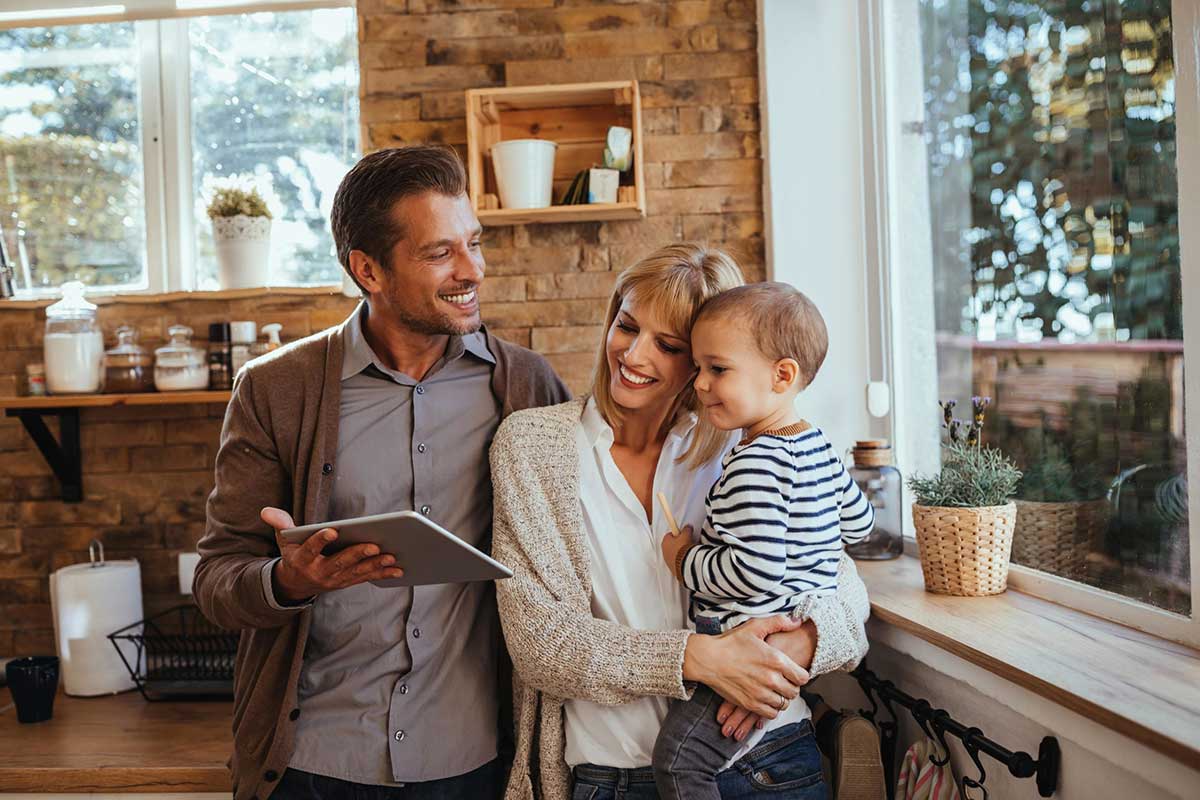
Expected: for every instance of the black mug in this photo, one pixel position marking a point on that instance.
(33, 682)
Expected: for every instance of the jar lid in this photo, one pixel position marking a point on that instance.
(179, 352)
(36, 368)
(127, 353)
(72, 305)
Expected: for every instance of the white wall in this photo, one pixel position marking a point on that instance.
(814, 192)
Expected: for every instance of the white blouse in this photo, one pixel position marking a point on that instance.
(632, 586)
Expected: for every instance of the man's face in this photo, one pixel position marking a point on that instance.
(430, 282)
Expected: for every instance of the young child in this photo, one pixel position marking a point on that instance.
(777, 518)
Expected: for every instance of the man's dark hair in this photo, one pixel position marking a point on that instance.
(361, 217)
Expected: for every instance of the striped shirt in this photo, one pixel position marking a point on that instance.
(775, 523)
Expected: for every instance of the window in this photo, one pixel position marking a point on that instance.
(112, 133)
(1034, 232)
(72, 197)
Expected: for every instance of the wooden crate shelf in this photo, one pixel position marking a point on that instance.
(575, 116)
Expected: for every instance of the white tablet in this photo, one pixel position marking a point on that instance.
(427, 552)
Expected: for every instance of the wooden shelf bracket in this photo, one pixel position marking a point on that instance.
(63, 455)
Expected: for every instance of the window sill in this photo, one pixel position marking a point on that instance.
(1133, 683)
(102, 299)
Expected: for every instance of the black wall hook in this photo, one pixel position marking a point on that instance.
(1020, 764)
(938, 722)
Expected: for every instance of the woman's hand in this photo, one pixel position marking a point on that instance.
(740, 666)
(801, 645)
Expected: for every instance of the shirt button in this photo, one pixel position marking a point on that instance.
(421, 448)
(404, 688)
(420, 390)
(295, 715)
(416, 633)
(326, 468)
(425, 510)
(271, 775)
(399, 736)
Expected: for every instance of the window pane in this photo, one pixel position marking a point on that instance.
(287, 114)
(1050, 152)
(71, 200)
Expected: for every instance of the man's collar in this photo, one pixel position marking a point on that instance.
(359, 355)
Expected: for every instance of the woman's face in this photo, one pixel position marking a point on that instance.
(650, 364)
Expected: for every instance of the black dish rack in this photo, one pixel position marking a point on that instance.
(178, 653)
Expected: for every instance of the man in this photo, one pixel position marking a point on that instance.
(345, 689)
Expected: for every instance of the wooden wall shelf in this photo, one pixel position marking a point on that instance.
(106, 400)
(577, 117)
(64, 455)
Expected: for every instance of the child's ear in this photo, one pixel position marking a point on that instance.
(787, 375)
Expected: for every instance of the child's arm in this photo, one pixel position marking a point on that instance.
(749, 515)
(857, 513)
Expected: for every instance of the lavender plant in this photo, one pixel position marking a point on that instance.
(972, 476)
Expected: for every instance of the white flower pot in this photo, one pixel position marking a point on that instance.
(243, 247)
(524, 172)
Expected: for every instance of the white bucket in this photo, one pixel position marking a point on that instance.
(524, 172)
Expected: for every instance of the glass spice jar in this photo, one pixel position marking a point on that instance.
(128, 367)
(179, 366)
(883, 486)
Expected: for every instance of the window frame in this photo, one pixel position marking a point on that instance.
(881, 24)
(165, 124)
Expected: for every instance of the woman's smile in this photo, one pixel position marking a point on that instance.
(632, 378)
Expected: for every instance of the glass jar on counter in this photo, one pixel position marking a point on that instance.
(883, 485)
(179, 366)
(73, 346)
(128, 367)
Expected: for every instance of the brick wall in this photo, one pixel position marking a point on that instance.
(147, 471)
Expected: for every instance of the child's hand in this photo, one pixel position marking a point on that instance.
(672, 543)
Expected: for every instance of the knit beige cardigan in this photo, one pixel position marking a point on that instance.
(559, 650)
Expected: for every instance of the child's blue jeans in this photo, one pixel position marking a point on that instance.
(691, 749)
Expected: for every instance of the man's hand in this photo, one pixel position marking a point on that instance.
(304, 572)
(672, 543)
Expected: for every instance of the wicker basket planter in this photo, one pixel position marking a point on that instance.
(965, 551)
(1057, 537)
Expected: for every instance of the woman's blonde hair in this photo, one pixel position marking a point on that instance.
(673, 282)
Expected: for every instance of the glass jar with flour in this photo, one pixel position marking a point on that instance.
(179, 366)
(74, 345)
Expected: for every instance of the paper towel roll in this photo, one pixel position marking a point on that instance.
(89, 602)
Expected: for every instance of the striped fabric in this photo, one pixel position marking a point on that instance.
(775, 524)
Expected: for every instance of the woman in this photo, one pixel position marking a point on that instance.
(594, 621)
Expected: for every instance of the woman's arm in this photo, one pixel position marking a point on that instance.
(556, 645)
(841, 636)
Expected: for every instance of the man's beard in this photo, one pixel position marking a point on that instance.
(434, 324)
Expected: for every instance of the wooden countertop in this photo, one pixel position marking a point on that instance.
(1137, 684)
(118, 743)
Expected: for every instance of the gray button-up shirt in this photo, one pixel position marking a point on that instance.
(400, 685)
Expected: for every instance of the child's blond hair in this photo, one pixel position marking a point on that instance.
(782, 320)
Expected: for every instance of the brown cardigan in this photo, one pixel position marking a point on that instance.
(278, 448)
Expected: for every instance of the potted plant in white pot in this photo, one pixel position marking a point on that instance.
(241, 225)
(964, 515)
